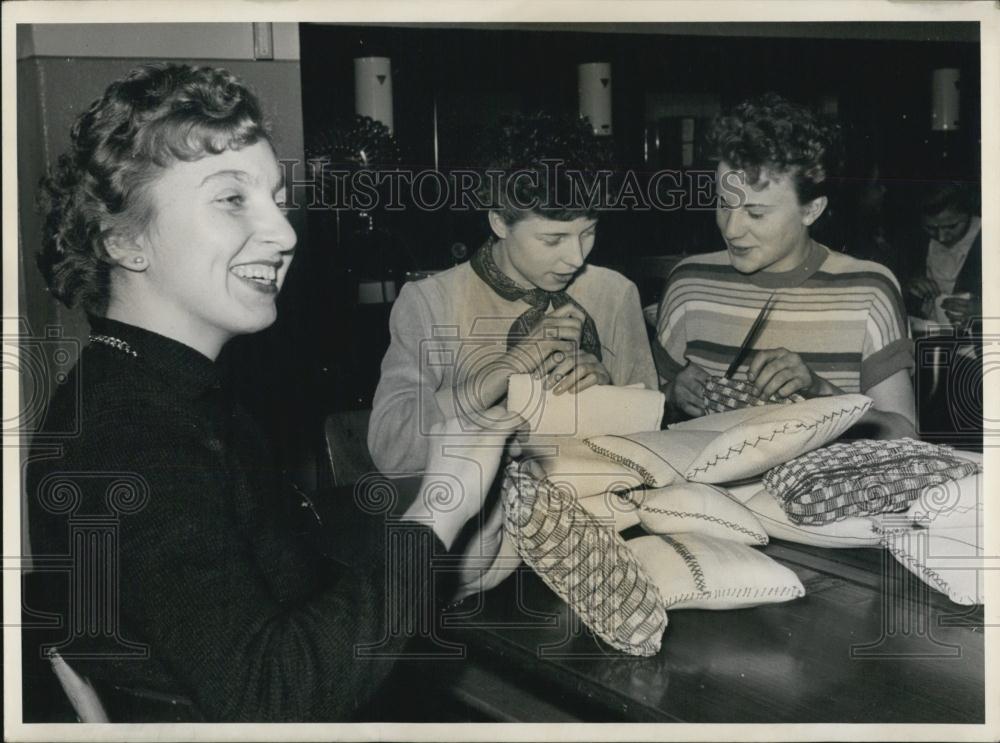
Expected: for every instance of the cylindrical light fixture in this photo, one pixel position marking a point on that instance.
(945, 99)
(373, 88)
(594, 85)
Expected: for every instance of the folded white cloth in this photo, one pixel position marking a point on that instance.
(940, 539)
(598, 410)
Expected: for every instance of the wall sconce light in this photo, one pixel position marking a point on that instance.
(594, 86)
(263, 41)
(373, 88)
(945, 90)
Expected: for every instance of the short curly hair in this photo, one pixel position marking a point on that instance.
(533, 144)
(937, 196)
(785, 138)
(156, 115)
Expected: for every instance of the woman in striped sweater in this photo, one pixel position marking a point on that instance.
(837, 324)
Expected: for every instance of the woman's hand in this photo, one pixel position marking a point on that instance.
(557, 332)
(960, 308)
(923, 287)
(488, 557)
(461, 467)
(688, 390)
(574, 372)
(926, 290)
(778, 371)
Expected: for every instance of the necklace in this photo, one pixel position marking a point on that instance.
(116, 343)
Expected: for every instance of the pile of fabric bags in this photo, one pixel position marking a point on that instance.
(710, 491)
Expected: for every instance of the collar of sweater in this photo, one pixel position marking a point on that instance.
(182, 367)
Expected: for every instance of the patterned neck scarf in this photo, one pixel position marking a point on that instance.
(539, 299)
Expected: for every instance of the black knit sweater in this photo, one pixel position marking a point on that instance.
(236, 612)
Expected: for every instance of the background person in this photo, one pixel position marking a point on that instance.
(943, 282)
(837, 324)
(943, 288)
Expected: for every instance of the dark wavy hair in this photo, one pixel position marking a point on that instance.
(937, 196)
(785, 138)
(533, 144)
(156, 115)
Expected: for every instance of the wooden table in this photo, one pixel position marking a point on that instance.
(867, 643)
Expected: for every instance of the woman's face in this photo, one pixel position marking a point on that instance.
(544, 253)
(764, 225)
(218, 246)
(948, 227)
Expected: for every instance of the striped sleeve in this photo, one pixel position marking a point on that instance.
(671, 336)
(887, 345)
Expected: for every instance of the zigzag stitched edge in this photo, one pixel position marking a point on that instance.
(783, 429)
(646, 475)
(759, 538)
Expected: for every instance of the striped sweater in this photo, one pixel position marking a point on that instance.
(844, 316)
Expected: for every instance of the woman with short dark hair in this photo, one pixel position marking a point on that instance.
(527, 301)
(943, 281)
(837, 323)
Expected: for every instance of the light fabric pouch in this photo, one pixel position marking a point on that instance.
(612, 509)
(696, 508)
(945, 559)
(744, 490)
(570, 464)
(585, 562)
(853, 531)
(940, 539)
(693, 571)
(597, 410)
(732, 446)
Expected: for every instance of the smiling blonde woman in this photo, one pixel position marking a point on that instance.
(165, 223)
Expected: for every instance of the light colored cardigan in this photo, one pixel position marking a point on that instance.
(452, 322)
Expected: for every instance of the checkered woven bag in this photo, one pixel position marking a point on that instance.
(862, 478)
(722, 394)
(585, 562)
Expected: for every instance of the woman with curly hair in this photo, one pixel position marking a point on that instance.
(527, 301)
(166, 223)
(837, 324)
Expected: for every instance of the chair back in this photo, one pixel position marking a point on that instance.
(347, 446)
(79, 691)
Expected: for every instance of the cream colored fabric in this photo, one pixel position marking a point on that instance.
(602, 409)
(612, 509)
(853, 531)
(725, 447)
(943, 559)
(696, 508)
(940, 537)
(660, 458)
(570, 464)
(744, 490)
(693, 571)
